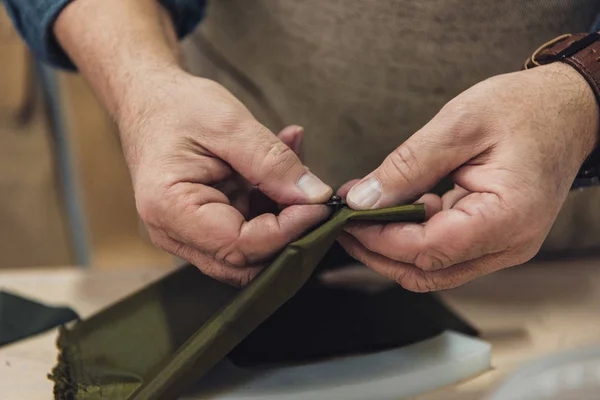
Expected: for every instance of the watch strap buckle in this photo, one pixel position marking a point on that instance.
(542, 56)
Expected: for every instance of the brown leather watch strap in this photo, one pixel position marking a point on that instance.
(581, 51)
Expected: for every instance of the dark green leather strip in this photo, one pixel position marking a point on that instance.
(169, 360)
(262, 297)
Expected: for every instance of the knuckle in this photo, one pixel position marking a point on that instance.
(457, 109)
(159, 241)
(427, 283)
(218, 270)
(404, 163)
(226, 117)
(527, 253)
(352, 252)
(432, 256)
(225, 276)
(279, 156)
(227, 120)
(154, 204)
(411, 285)
(149, 209)
(258, 130)
(237, 278)
(231, 255)
(432, 260)
(461, 118)
(244, 277)
(400, 276)
(271, 224)
(416, 281)
(278, 160)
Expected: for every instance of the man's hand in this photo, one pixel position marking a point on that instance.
(513, 145)
(194, 163)
(196, 155)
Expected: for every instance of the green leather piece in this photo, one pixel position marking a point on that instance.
(161, 340)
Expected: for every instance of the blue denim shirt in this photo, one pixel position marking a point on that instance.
(34, 20)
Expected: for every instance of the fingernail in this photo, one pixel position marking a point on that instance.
(365, 194)
(312, 186)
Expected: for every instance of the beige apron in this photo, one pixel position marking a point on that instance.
(362, 75)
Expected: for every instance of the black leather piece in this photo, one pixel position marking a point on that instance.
(322, 322)
(21, 317)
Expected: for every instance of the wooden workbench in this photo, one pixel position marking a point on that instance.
(524, 312)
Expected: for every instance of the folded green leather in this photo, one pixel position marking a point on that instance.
(161, 340)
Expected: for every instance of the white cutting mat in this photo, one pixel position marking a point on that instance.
(392, 374)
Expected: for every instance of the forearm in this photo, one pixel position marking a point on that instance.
(117, 45)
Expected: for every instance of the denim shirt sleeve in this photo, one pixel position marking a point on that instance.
(34, 20)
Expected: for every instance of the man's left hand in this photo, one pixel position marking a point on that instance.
(513, 145)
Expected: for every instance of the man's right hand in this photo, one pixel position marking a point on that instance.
(193, 150)
(195, 153)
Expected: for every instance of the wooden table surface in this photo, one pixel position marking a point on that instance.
(524, 312)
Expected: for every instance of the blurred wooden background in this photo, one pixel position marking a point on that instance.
(34, 218)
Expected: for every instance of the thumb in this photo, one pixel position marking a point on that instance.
(411, 169)
(274, 167)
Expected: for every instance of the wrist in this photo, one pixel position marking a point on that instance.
(143, 108)
(146, 88)
(577, 103)
(580, 53)
(116, 44)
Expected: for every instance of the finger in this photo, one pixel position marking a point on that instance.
(418, 164)
(249, 201)
(292, 137)
(343, 191)
(259, 203)
(405, 274)
(223, 272)
(432, 202)
(450, 198)
(415, 279)
(266, 234)
(207, 223)
(382, 238)
(478, 225)
(266, 162)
